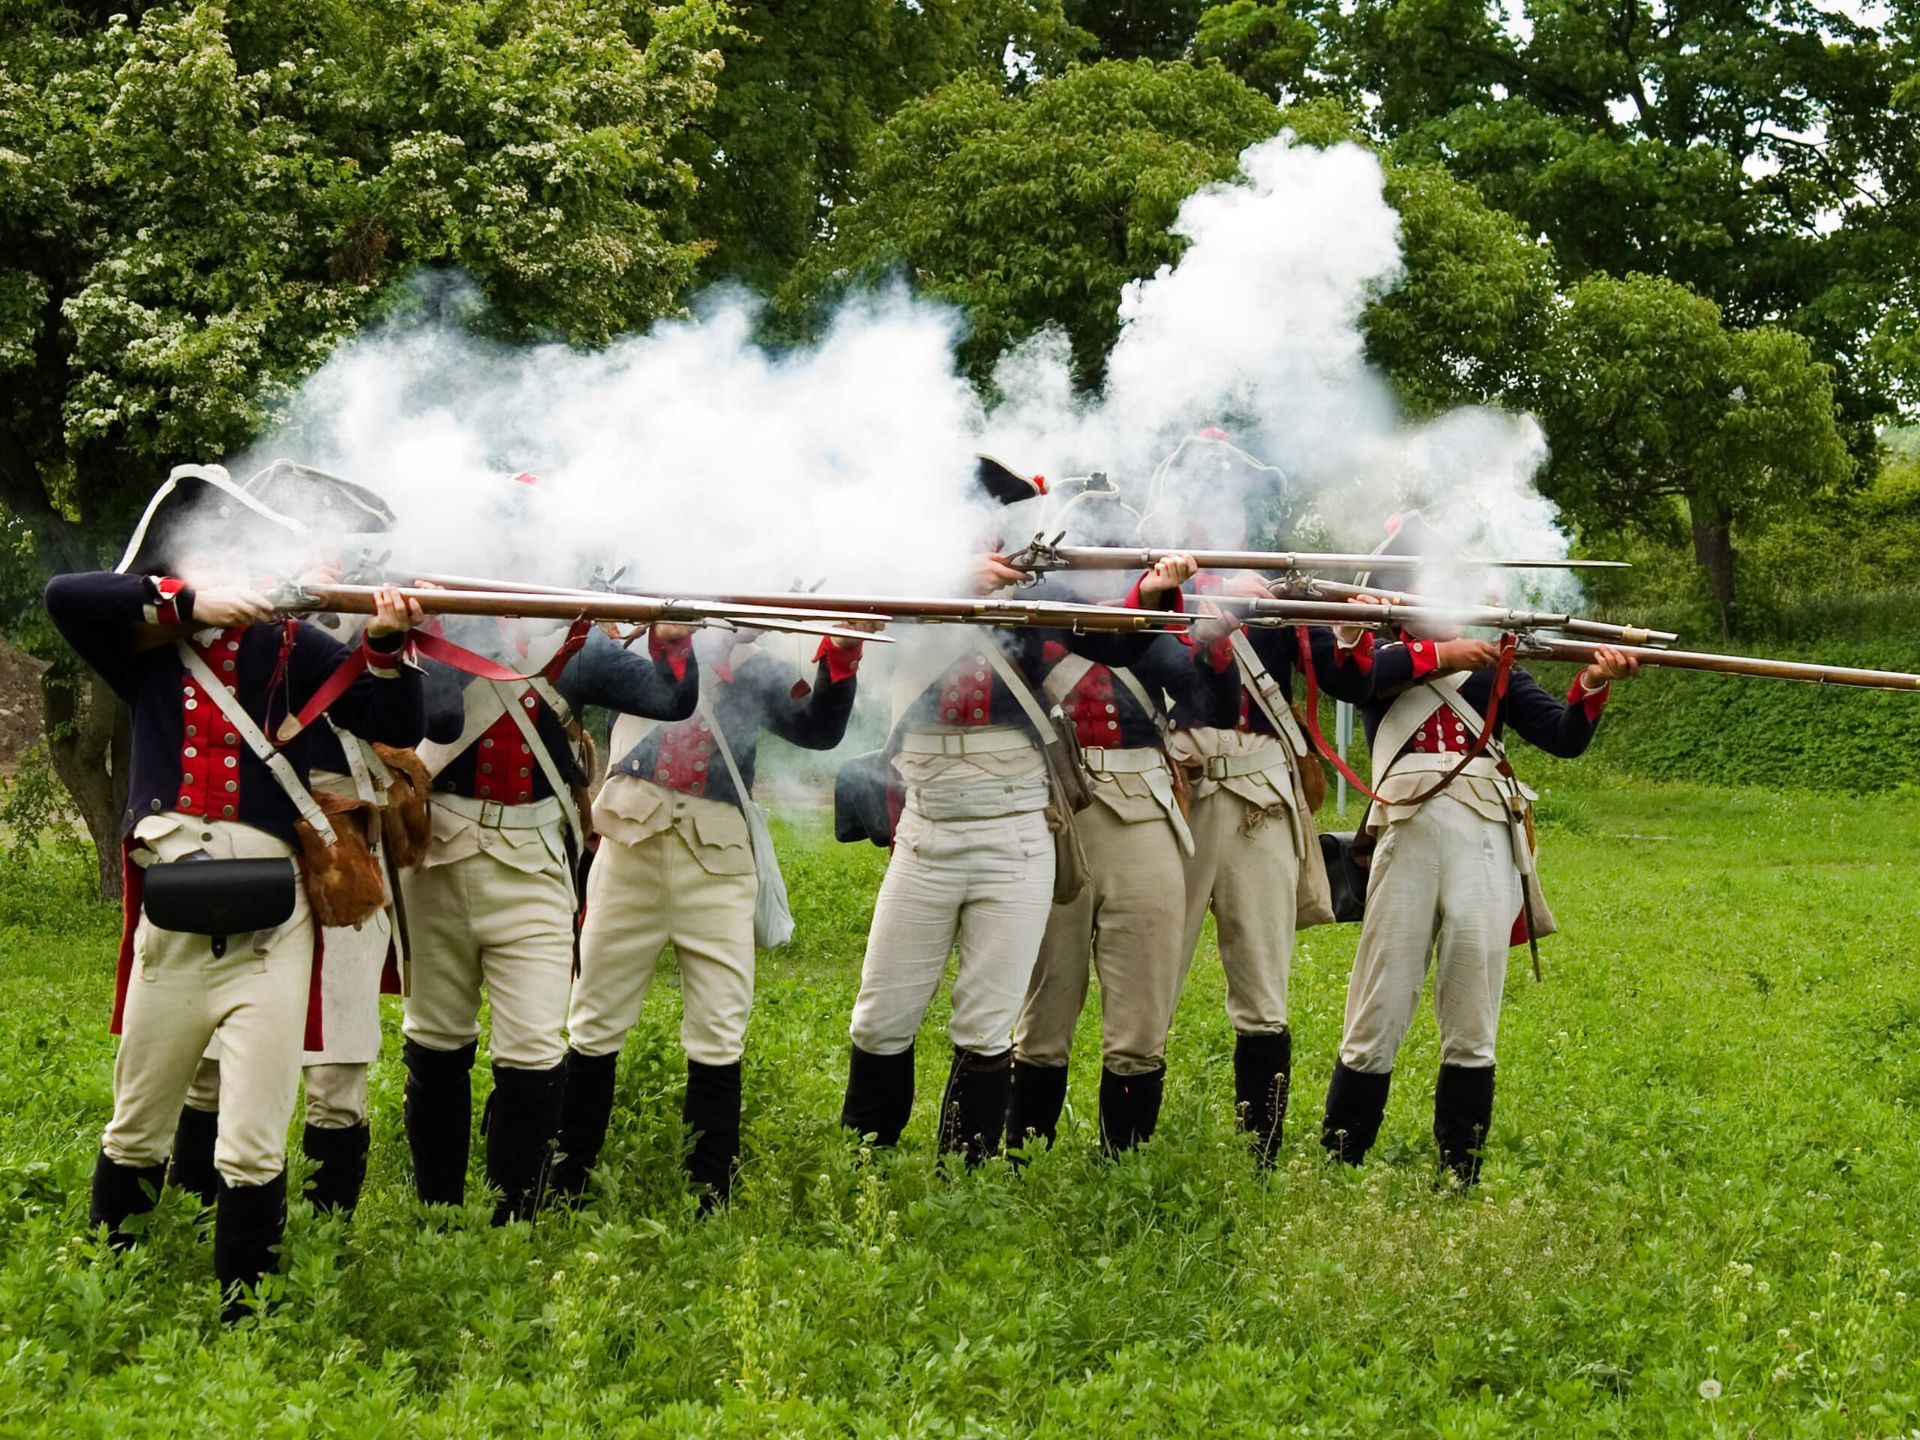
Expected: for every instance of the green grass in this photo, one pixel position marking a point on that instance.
(1704, 1168)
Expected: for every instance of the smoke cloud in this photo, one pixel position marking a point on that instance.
(701, 461)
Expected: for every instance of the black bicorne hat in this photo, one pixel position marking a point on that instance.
(201, 508)
(321, 503)
(1002, 483)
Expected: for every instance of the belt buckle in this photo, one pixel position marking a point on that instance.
(1095, 757)
(491, 813)
(1217, 768)
(953, 745)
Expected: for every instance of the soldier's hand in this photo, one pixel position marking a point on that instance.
(991, 572)
(1168, 574)
(667, 633)
(1246, 583)
(848, 642)
(226, 605)
(1609, 663)
(1214, 624)
(1464, 654)
(393, 613)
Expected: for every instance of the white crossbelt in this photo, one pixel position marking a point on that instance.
(263, 749)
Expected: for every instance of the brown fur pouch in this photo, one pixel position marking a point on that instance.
(1313, 775)
(404, 819)
(343, 880)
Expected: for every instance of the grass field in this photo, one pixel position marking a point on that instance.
(1700, 1212)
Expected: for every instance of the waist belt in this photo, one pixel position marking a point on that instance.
(990, 741)
(1233, 767)
(1136, 760)
(497, 816)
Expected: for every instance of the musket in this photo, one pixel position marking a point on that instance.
(1042, 555)
(987, 610)
(1399, 607)
(1544, 647)
(535, 603)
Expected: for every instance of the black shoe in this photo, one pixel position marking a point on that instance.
(584, 1116)
(521, 1125)
(1262, 1075)
(191, 1168)
(1034, 1102)
(247, 1229)
(973, 1112)
(120, 1192)
(340, 1166)
(879, 1094)
(1356, 1104)
(439, 1118)
(1462, 1115)
(712, 1113)
(1129, 1108)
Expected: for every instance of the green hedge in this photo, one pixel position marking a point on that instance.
(1717, 729)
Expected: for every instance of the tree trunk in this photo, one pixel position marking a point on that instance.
(90, 741)
(1713, 548)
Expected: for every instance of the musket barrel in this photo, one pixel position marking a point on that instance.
(1582, 652)
(1106, 557)
(1314, 588)
(531, 603)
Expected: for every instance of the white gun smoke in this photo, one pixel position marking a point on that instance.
(701, 461)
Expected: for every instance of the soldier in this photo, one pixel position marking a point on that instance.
(355, 961)
(1254, 787)
(205, 672)
(676, 865)
(1128, 918)
(1452, 869)
(972, 863)
(493, 903)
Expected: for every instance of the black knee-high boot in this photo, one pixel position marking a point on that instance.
(1262, 1076)
(712, 1112)
(585, 1114)
(1037, 1095)
(1356, 1104)
(249, 1223)
(438, 1109)
(121, 1192)
(1462, 1115)
(973, 1112)
(879, 1094)
(191, 1167)
(339, 1154)
(522, 1123)
(1129, 1108)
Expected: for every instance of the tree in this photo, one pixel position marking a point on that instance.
(1137, 29)
(197, 203)
(1661, 416)
(1034, 209)
(1764, 155)
(805, 88)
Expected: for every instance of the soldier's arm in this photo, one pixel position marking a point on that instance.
(446, 703)
(103, 615)
(1563, 728)
(818, 719)
(1369, 666)
(385, 703)
(1167, 669)
(663, 684)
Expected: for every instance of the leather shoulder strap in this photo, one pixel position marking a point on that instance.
(1267, 693)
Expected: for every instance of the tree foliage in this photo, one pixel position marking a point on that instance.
(1033, 209)
(1765, 155)
(198, 201)
(804, 89)
(1662, 416)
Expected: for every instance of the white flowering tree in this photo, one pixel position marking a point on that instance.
(198, 201)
